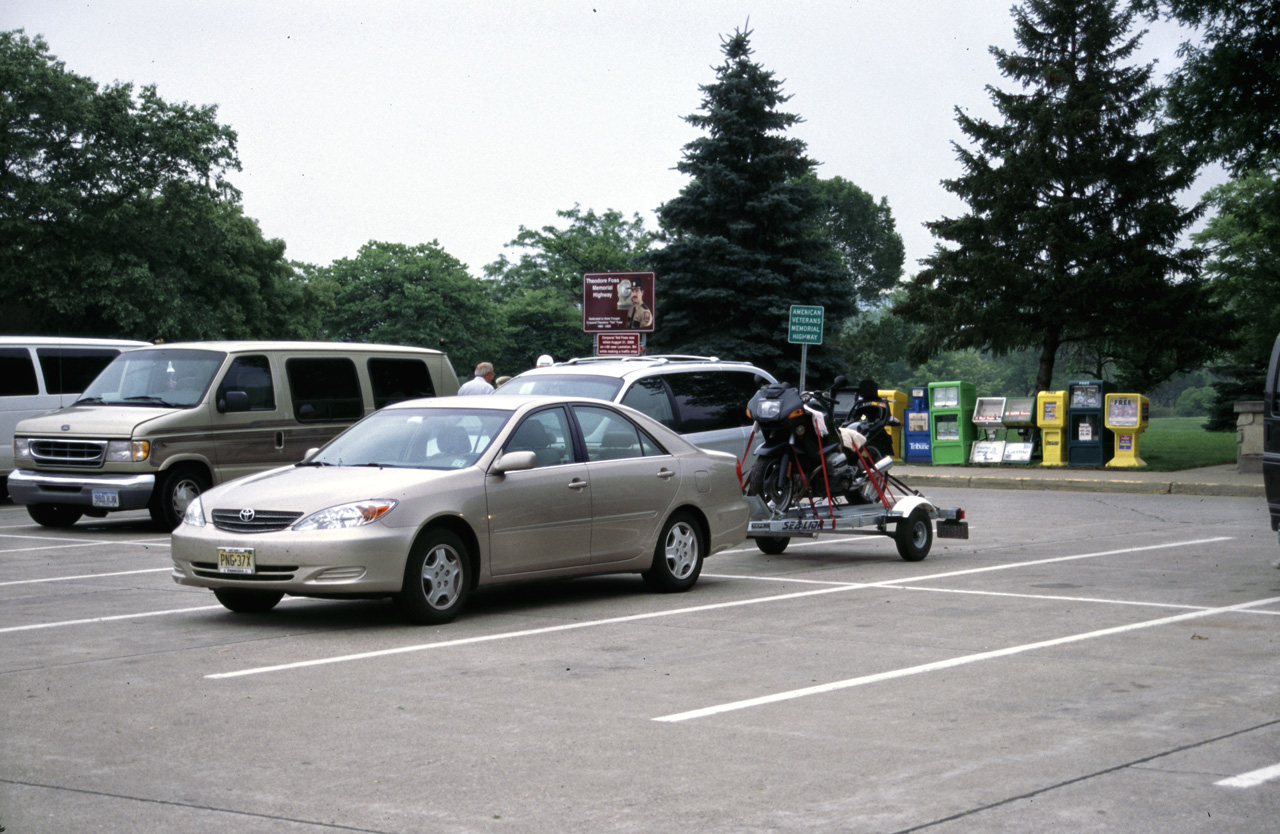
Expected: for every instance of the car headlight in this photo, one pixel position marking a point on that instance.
(128, 451)
(355, 514)
(21, 448)
(195, 513)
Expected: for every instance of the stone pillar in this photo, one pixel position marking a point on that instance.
(1249, 437)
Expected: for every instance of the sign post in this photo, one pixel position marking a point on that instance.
(804, 328)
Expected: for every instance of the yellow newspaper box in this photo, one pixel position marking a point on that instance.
(1127, 416)
(897, 402)
(1051, 417)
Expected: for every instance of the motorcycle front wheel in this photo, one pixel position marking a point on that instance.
(777, 492)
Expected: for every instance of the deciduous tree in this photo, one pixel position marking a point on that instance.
(392, 293)
(116, 215)
(1224, 101)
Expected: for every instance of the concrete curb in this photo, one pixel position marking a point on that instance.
(1150, 487)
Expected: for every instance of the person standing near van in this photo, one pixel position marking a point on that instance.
(481, 383)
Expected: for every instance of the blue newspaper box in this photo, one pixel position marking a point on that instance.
(916, 428)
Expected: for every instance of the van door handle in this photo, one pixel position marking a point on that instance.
(279, 440)
(577, 484)
(665, 474)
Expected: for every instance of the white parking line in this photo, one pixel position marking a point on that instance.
(116, 618)
(72, 543)
(119, 617)
(953, 662)
(508, 635)
(1251, 779)
(633, 618)
(82, 576)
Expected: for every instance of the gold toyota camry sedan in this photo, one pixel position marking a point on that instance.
(425, 501)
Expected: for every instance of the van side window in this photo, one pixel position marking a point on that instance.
(252, 375)
(712, 400)
(324, 389)
(17, 374)
(394, 380)
(649, 397)
(69, 370)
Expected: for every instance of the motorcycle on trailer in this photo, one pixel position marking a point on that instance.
(841, 471)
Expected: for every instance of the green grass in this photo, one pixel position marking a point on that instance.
(1173, 443)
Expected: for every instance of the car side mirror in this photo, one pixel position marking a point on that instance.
(234, 401)
(312, 452)
(514, 462)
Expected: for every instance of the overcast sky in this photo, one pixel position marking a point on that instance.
(461, 121)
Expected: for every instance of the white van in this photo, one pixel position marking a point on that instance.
(162, 424)
(44, 373)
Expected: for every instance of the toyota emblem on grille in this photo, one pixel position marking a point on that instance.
(246, 515)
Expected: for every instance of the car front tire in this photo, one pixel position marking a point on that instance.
(246, 600)
(437, 579)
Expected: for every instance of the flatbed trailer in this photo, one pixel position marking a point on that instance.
(903, 513)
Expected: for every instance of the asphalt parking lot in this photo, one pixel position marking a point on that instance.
(1084, 662)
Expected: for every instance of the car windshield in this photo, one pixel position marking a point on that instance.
(419, 438)
(565, 385)
(159, 377)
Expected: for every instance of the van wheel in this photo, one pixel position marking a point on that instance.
(54, 515)
(175, 490)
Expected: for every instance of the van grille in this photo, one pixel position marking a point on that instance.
(253, 521)
(81, 453)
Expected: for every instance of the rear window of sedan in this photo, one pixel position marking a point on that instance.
(426, 438)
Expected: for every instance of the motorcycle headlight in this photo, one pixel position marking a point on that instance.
(128, 451)
(195, 513)
(355, 514)
(769, 409)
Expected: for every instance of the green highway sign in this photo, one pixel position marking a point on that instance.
(805, 325)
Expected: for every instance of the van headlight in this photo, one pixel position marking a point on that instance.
(128, 451)
(195, 513)
(21, 448)
(355, 514)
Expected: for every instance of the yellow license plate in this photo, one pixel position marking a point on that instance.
(235, 560)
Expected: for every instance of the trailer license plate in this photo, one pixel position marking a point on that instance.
(953, 529)
(235, 560)
(109, 498)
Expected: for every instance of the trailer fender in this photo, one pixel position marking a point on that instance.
(907, 503)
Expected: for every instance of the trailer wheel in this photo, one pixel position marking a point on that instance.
(772, 545)
(914, 535)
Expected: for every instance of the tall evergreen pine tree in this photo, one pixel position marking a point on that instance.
(1072, 236)
(744, 239)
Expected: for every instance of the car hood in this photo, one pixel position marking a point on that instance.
(92, 421)
(309, 488)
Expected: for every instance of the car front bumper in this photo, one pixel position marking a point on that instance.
(358, 561)
(101, 492)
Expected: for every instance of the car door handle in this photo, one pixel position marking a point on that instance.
(577, 484)
(665, 474)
